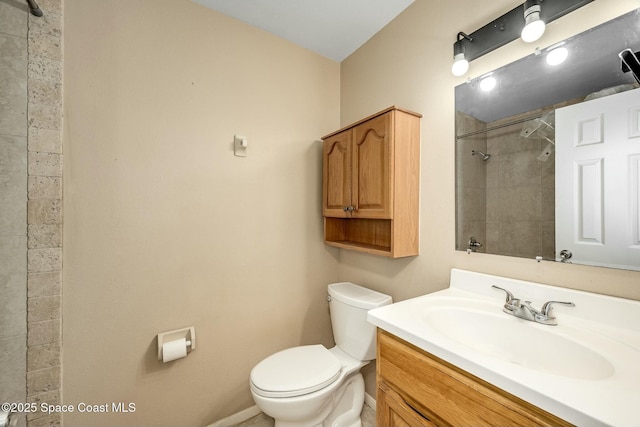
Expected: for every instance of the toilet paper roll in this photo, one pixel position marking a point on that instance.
(173, 350)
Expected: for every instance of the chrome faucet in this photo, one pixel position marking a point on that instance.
(474, 245)
(524, 310)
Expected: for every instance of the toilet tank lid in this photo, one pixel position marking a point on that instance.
(358, 296)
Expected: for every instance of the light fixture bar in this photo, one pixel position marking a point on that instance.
(508, 27)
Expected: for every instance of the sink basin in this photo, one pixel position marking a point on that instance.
(584, 370)
(537, 347)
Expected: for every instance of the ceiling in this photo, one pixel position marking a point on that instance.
(331, 28)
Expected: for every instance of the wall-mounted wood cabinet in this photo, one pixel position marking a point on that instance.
(371, 179)
(416, 388)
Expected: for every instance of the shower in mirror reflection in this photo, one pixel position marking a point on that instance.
(542, 127)
(484, 156)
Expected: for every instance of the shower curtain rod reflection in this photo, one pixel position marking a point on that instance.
(33, 6)
(502, 125)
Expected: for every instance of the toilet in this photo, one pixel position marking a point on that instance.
(312, 386)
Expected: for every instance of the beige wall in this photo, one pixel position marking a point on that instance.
(408, 63)
(165, 228)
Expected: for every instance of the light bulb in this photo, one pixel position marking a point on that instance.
(534, 27)
(557, 56)
(488, 83)
(460, 65)
(533, 31)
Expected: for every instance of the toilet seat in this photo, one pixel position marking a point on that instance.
(295, 371)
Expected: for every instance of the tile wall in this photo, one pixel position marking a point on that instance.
(31, 214)
(508, 202)
(13, 212)
(44, 212)
(471, 182)
(520, 193)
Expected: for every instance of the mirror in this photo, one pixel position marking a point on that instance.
(534, 176)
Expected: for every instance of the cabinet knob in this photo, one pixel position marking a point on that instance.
(351, 208)
(345, 208)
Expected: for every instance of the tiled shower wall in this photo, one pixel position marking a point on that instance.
(44, 212)
(31, 216)
(471, 182)
(13, 205)
(508, 202)
(520, 193)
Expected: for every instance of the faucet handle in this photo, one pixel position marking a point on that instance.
(510, 297)
(547, 306)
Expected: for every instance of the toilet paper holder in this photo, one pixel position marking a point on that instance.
(189, 334)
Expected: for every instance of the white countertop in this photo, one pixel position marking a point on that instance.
(608, 327)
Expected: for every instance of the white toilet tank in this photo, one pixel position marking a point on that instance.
(349, 304)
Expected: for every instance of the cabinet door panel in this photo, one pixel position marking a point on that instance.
(392, 410)
(371, 163)
(336, 175)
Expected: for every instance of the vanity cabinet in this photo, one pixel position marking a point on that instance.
(416, 388)
(370, 184)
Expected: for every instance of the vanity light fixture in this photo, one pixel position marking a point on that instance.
(460, 64)
(533, 26)
(509, 27)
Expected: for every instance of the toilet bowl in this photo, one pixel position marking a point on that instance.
(312, 386)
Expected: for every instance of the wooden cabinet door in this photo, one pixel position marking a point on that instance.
(392, 410)
(336, 175)
(371, 179)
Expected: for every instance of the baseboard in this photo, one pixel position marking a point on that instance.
(369, 400)
(251, 412)
(237, 418)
